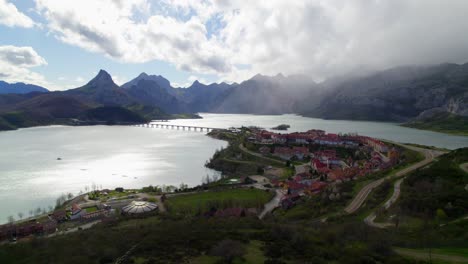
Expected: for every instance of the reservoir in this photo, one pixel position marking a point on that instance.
(39, 164)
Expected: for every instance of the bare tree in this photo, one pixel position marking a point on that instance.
(11, 219)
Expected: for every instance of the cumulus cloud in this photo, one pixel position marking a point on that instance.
(15, 64)
(21, 56)
(11, 17)
(110, 27)
(317, 38)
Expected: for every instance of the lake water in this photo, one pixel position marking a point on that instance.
(133, 157)
(389, 131)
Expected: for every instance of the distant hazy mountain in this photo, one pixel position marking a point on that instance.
(204, 98)
(397, 94)
(148, 90)
(269, 95)
(20, 88)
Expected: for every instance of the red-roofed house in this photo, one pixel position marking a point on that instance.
(76, 212)
(316, 187)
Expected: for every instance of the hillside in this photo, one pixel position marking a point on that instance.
(112, 115)
(438, 191)
(20, 88)
(41, 110)
(442, 122)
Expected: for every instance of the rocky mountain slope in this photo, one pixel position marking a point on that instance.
(398, 94)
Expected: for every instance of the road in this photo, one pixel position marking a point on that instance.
(272, 204)
(424, 255)
(259, 155)
(464, 167)
(71, 230)
(429, 156)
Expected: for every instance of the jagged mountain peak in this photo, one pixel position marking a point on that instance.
(102, 78)
(143, 75)
(160, 80)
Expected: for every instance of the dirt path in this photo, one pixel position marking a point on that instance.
(366, 190)
(272, 204)
(464, 167)
(423, 255)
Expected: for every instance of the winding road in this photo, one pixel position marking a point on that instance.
(272, 204)
(359, 199)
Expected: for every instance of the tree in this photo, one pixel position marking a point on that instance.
(20, 215)
(441, 215)
(11, 219)
(228, 250)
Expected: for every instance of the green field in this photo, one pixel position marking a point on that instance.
(200, 203)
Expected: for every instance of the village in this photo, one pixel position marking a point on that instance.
(323, 160)
(318, 161)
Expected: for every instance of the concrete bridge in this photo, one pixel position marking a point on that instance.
(178, 127)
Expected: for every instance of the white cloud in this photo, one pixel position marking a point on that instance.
(21, 56)
(318, 38)
(119, 80)
(109, 27)
(11, 17)
(15, 64)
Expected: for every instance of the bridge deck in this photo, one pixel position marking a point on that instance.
(156, 125)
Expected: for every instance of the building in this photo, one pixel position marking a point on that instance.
(139, 207)
(76, 212)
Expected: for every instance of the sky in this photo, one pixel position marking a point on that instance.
(62, 44)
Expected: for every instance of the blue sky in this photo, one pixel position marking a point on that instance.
(62, 44)
(70, 66)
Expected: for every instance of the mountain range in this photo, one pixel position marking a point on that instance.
(20, 88)
(401, 94)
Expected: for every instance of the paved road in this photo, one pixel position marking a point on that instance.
(71, 230)
(366, 190)
(423, 255)
(272, 204)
